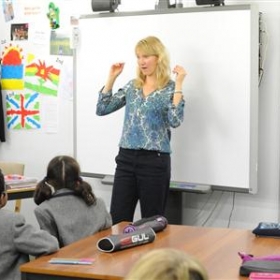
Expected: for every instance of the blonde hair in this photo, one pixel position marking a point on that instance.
(167, 264)
(153, 46)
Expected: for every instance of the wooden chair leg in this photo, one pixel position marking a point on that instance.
(18, 205)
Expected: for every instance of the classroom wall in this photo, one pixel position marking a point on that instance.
(219, 208)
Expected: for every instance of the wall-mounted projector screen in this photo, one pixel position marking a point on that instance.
(217, 142)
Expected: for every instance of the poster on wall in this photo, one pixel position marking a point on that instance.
(23, 110)
(60, 44)
(42, 75)
(8, 10)
(12, 67)
(19, 31)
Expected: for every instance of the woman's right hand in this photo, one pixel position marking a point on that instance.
(116, 69)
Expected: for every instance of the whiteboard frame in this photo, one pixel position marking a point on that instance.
(253, 164)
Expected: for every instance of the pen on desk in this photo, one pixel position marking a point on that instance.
(70, 261)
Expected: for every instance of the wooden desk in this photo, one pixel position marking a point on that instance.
(216, 248)
(20, 193)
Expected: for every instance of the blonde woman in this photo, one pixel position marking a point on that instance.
(154, 104)
(167, 264)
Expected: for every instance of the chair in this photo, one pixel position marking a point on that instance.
(13, 168)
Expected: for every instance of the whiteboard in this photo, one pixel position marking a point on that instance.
(217, 142)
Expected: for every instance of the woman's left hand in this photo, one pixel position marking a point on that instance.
(180, 73)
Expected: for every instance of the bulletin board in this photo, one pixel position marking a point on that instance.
(37, 82)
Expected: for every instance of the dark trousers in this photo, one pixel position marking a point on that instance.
(140, 175)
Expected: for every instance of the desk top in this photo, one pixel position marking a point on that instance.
(30, 188)
(216, 248)
(22, 192)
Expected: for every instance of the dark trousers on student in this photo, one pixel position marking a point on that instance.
(140, 175)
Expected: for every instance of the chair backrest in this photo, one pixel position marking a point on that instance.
(12, 167)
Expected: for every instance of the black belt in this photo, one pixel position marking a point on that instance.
(142, 152)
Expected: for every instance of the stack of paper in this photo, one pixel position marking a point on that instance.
(19, 181)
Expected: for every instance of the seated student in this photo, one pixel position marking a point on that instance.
(68, 209)
(167, 264)
(18, 240)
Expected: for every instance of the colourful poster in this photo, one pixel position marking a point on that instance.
(23, 111)
(42, 76)
(12, 69)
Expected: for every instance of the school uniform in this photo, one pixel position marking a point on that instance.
(69, 218)
(18, 240)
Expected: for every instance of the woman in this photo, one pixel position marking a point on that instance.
(153, 104)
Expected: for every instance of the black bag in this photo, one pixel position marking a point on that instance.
(259, 266)
(270, 263)
(156, 222)
(267, 229)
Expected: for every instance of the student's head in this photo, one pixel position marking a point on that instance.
(63, 172)
(153, 49)
(3, 192)
(167, 264)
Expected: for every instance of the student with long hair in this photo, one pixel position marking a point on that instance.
(68, 208)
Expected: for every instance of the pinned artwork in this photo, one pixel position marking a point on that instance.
(23, 111)
(53, 16)
(12, 68)
(42, 76)
(19, 31)
(8, 10)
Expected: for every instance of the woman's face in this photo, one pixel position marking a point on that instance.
(147, 63)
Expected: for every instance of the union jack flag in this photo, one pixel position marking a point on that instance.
(23, 111)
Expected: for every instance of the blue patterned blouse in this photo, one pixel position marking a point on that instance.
(147, 120)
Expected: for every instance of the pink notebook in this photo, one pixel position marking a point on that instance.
(264, 276)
